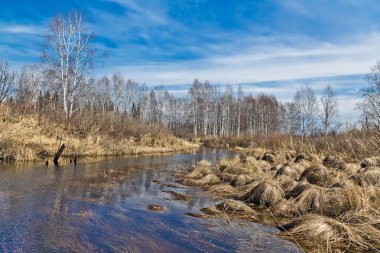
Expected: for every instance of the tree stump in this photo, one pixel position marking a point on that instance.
(58, 154)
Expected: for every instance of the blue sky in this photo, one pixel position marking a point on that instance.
(274, 46)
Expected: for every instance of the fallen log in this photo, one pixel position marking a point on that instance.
(58, 154)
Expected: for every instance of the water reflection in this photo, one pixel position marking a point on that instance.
(101, 206)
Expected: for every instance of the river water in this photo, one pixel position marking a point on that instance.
(101, 206)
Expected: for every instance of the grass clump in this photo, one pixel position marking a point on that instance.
(206, 180)
(317, 175)
(323, 233)
(267, 193)
(235, 207)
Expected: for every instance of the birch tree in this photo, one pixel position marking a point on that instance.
(195, 93)
(7, 81)
(370, 104)
(306, 105)
(329, 113)
(67, 51)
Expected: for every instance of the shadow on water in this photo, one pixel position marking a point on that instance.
(102, 207)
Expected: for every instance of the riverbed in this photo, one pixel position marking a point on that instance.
(101, 206)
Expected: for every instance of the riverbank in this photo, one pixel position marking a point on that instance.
(324, 204)
(30, 138)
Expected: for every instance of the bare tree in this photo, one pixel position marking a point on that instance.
(67, 52)
(7, 81)
(117, 91)
(370, 105)
(240, 95)
(329, 114)
(30, 83)
(306, 105)
(195, 92)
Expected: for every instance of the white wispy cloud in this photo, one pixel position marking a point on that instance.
(22, 29)
(263, 63)
(143, 10)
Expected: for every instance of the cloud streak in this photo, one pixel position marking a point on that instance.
(262, 62)
(22, 29)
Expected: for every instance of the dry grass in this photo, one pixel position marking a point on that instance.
(27, 137)
(330, 205)
(370, 176)
(348, 168)
(156, 208)
(226, 191)
(330, 202)
(241, 180)
(235, 207)
(211, 210)
(289, 171)
(267, 193)
(353, 145)
(286, 183)
(206, 180)
(199, 170)
(319, 232)
(319, 175)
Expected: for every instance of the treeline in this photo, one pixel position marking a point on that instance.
(205, 110)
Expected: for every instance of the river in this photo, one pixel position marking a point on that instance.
(101, 206)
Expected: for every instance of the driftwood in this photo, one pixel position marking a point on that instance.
(59, 153)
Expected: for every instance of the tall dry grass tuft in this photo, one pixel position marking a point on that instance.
(267, 194)
(323, 233)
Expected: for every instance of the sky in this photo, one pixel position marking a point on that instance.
(272, 46)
